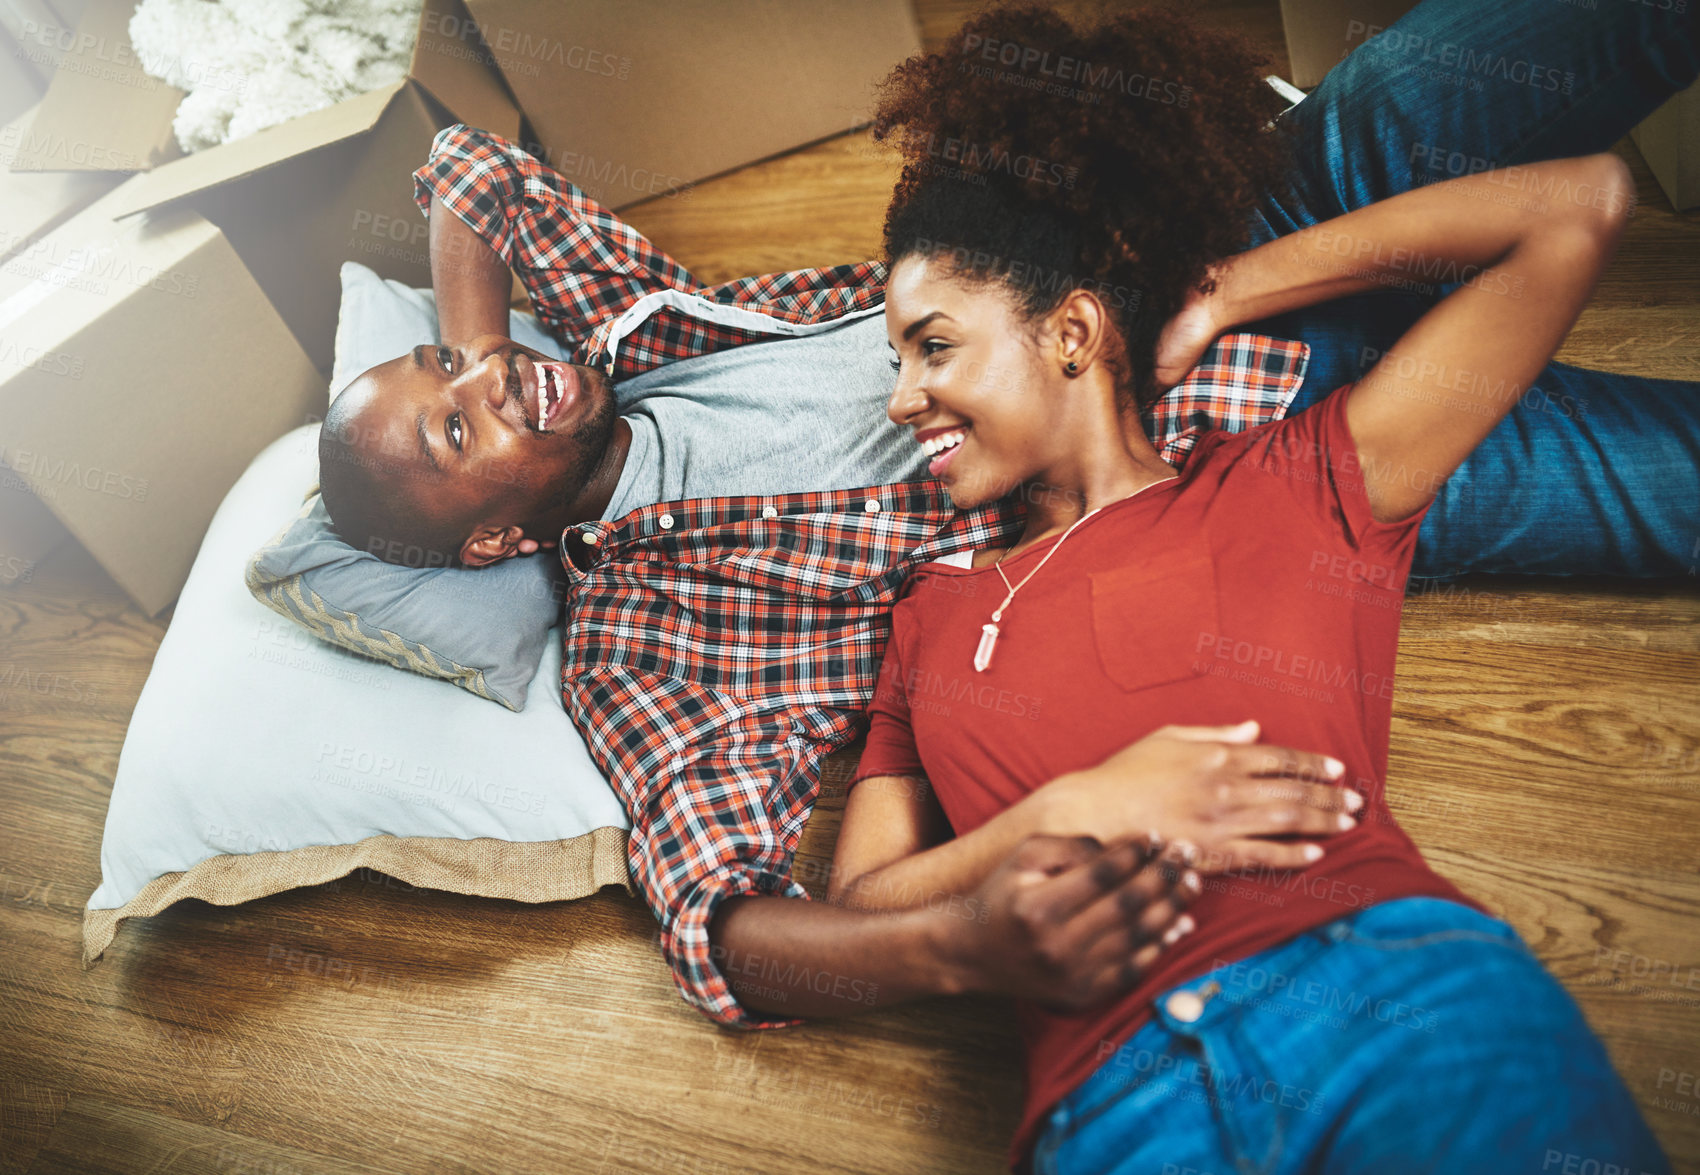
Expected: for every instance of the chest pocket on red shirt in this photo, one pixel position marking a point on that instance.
(1156, 623)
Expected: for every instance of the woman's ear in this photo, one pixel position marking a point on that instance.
(1081, 323)
(491, 544)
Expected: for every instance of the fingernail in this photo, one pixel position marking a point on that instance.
(1183, 925)
(1191, 881)
(1188, 851)
(1334, 766)
(1353, 800)
(1347, 822)
(1313, 852)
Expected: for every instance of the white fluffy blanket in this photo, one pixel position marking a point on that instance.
(247, 64)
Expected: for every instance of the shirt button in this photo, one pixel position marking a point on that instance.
(1185, 1006)
(872, 505)
(769, 512)
(666, 521)
(588, 536)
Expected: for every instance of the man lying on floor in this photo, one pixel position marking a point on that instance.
(735, 528)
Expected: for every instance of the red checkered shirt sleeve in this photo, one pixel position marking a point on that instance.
(581, 264)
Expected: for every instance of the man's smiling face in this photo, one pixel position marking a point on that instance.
(464, 440)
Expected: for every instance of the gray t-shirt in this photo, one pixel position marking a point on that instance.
(784, 416)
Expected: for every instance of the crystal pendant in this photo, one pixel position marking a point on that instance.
(988, 642)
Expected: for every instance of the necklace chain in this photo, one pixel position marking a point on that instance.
(998, 566)
(989, 632)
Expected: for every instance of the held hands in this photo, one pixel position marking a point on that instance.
(1210, 786)
(1068, 922)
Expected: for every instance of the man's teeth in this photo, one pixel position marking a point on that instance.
(933, 446)
(548, 394)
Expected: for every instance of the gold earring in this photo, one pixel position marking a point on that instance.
(1073, 368)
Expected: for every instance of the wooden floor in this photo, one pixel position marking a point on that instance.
(1546, 755)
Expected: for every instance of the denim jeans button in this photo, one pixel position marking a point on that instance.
(1185, 1006)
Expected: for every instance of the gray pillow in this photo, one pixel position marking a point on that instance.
(483, 629)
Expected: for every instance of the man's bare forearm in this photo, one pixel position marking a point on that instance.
(1062, 920)
(786, 957)
(471, 281)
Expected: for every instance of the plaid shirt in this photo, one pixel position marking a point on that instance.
(720, 648)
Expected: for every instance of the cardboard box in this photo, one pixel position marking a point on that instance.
(20, 85)
(31, 203)
(641, 98)
(101, 112)
(21, 17)
(1320, 33)
(1669, 140)
(298, 199)
(18, 19)
(141, 369)
(28, 530)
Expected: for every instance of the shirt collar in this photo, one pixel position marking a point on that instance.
(1242, 381)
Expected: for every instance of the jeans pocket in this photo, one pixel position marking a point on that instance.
(1408, 923)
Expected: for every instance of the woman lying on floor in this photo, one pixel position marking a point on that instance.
(1357, 1014)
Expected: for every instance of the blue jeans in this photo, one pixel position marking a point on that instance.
(1413, 1036)
(1591, 472)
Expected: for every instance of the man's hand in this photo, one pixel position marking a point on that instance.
(1067, 922)
(1188, 335)
(1211, 787)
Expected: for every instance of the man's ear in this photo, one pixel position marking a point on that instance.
(491, 544)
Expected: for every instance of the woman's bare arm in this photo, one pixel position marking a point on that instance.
(1210, 787)
(1528, 243)
(1054, 899)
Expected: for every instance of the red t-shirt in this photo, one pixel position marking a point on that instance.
(1256, 585)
